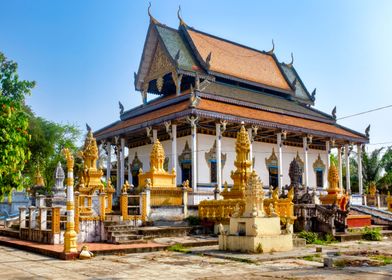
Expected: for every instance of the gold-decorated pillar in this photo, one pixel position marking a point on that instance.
(70, 238)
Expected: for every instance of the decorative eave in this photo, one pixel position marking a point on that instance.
(236, 119)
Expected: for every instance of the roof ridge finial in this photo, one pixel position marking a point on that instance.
(273, 48)
(182, 22)
(152, 19)
(292, 60)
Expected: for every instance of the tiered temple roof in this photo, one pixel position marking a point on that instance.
(195, 73)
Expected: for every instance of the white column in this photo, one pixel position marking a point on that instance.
(194, 153)
(306, 169)
(109, 160)
(250, 133)
(360, 179)
(328, 161)
(129, 166)
(154, 135)
(118, 176)
(218, 156)
(346, 158)
(280, 160)
(22, 217)
(174, 147)
(340, 168)
(122, 164)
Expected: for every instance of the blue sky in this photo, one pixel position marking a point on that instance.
(82, 54)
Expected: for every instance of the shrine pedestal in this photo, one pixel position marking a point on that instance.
(256, 235)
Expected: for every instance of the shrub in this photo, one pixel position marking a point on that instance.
(309, 236)
(371, 234)
(193, 220)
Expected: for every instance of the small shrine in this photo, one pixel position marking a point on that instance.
(335, 194)
(254, 231)
(90, 177)
(160, 182)
(58, 190)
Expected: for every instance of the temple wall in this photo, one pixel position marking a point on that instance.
(261, 151)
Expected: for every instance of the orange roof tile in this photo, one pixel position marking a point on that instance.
(238, 61)
(240, 111)
(146, 117)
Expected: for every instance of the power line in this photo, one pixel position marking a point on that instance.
(377, 109)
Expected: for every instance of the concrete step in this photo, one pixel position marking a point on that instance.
(114, 228)
(139, 241)
(113, 218)
(350, 236)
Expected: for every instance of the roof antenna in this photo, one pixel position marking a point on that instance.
(182, 22)
(152, 19)
(273, 48)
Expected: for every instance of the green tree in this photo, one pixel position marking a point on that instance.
(386, 160)
(47, 141)
(14, 152)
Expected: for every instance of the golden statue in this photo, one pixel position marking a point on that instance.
(242, 163)
(335, 195)
(39, 180)
(372, 189)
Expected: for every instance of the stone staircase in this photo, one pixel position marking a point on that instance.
(121, 232)
(126, 232)
(379, 217)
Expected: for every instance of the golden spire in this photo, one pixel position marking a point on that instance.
(333, 179)
(242, 163)
(90, 152)
(157, 157)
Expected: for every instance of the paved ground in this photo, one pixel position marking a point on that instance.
(16, 264)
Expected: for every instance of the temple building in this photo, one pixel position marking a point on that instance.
(206, 87)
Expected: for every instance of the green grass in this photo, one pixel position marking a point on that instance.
(384, 259)
(178, 248)
(313, 258)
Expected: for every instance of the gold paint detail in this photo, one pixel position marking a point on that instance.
(335, 195)
(242, 164)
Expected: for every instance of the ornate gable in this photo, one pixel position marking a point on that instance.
(272, 161)
(160, 66)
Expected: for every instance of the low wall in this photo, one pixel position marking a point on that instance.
(91, 231)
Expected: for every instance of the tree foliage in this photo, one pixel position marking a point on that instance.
(14, 137)
(47, 141)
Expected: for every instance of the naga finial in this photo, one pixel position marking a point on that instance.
(88, 127)
(314, 94)
(177, 57)
(121, 106)
(367, 131)
(208, 60)
(273, 48)
(292, 61)
(334, 113)
(152, 19)
(182, 22)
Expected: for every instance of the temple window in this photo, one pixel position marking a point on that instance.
(212, 163)
(272, 167)
(185, 161)
(319, 169)
(136, 165)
